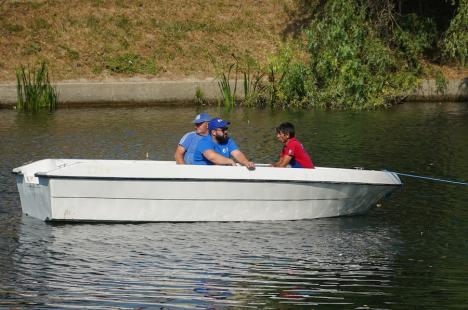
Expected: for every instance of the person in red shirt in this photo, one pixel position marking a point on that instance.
(293, 153)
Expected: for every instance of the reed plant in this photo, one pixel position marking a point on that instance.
(227, 93)
(34, 89)
(199, 96)
(254, 88)
(254, 84)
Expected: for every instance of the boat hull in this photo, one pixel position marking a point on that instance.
(107, 198)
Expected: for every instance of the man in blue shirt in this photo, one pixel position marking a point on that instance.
(188, 143)
(217, 148)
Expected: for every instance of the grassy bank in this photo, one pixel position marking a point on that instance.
(168, 39)
(339, 54)
(98, 39)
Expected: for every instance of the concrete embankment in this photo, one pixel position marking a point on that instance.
(455, 90)
(149, 91)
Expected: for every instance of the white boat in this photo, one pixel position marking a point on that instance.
(153, 191)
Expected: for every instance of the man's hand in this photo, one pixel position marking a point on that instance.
(242, 159)
(250, 165)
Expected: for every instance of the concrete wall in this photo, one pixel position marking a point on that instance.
(457, 90)
(127, 91)
(143, 91)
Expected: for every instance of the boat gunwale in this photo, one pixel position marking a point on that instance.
(45, 175)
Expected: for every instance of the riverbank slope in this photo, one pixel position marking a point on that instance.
(170, 40)
(109, 51)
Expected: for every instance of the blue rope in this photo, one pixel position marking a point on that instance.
(430, 178)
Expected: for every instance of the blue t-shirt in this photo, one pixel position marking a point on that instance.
(207, 143)
(189, 142)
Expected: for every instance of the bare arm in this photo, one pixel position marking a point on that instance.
(217, 159)
(240, 157)
(283, 161)
(179, 155)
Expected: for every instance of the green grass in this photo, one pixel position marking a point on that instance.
(40, 23)
(14, 28)
(131, 63)
(123, 22)
(31, 48)
(71, 53)
(92, 22)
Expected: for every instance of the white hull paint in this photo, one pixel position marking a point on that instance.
(154, 191)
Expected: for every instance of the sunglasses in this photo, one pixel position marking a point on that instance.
(222, 129)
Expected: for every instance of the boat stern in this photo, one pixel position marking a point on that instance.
(34, 192)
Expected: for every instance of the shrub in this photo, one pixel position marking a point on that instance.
(351, 65)
(455, 40)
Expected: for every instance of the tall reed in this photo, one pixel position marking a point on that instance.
(199, 96)
(228, 95)
(254, 89)
(34, 89)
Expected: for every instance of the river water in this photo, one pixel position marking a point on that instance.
(409, 253)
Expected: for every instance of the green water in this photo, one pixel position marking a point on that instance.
(410, 253)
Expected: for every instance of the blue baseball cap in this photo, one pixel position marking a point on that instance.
(217, 123)
(201, 118)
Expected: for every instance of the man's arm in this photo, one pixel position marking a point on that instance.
(217, 159)
(179, 155)
(283, 162)
(240, 157)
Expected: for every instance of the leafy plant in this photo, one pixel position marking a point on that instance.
(34, 89)
(455, 41)
(351, 65)
(412, 37)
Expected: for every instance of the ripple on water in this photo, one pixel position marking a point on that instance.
(378, 261)
(189, 265)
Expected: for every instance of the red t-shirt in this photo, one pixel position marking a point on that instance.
(300, 158)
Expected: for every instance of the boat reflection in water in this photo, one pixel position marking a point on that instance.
(334, 261)
(161, 191)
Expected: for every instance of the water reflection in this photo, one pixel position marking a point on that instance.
(334, 261)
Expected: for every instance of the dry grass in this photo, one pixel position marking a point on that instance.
(98, 39)
(115, 38)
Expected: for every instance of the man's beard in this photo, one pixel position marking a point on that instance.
(221, 138)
